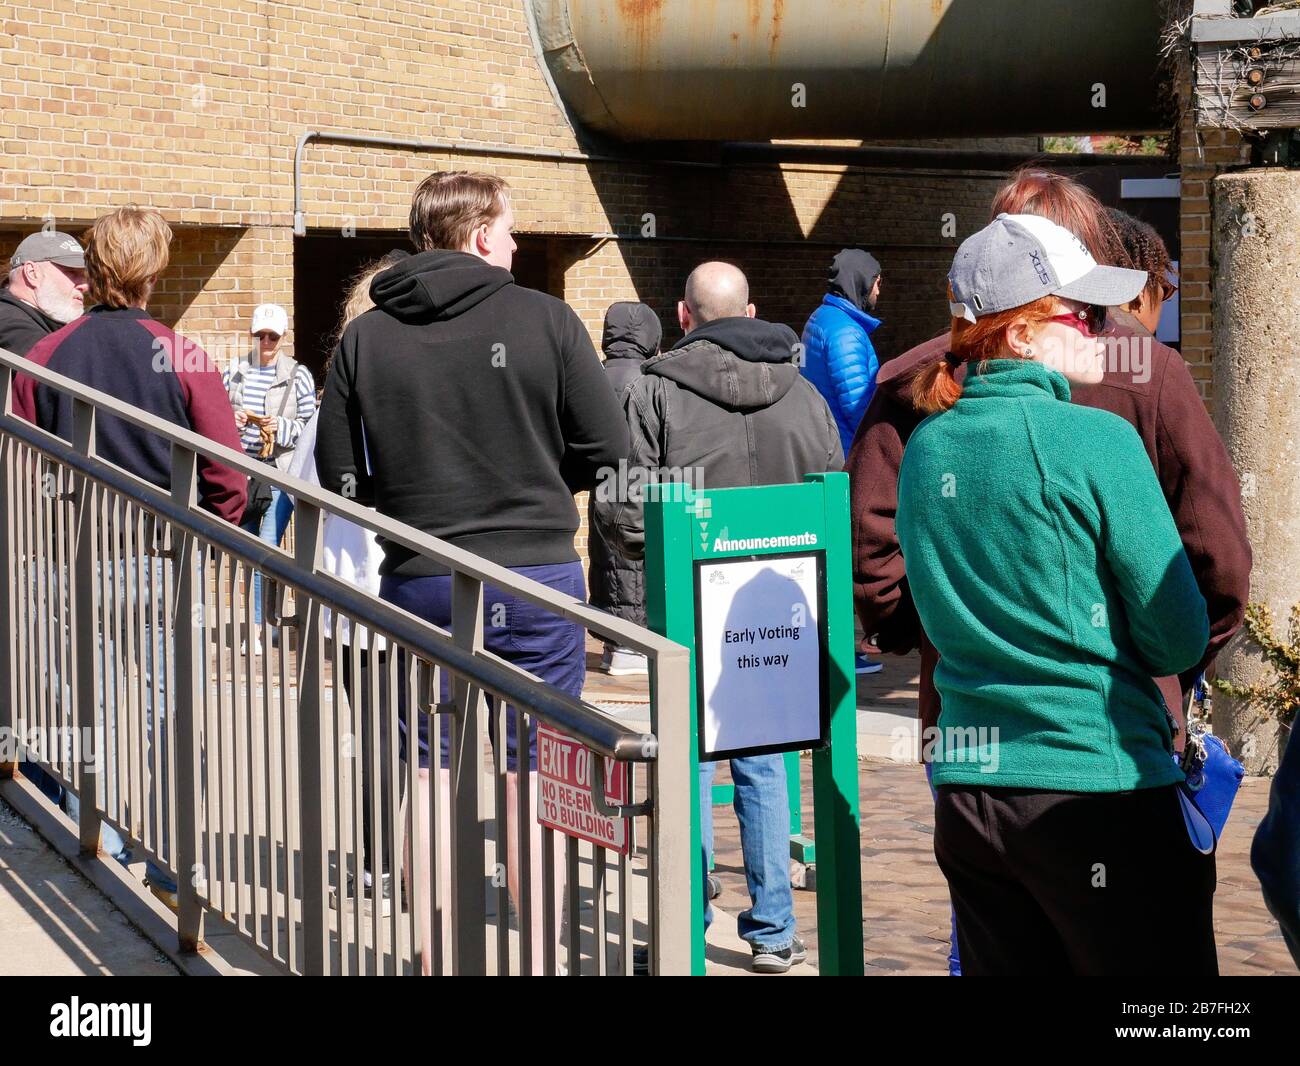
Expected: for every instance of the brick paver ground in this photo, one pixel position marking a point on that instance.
(905, 897)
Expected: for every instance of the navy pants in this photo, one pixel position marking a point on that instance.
(530, 637)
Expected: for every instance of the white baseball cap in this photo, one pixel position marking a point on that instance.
(1016, 259)
(270, 317)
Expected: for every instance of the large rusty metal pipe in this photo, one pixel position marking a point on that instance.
(640, 70)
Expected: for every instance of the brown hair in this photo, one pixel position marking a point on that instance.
(1138, 246)
(1062, 200)
(449, 205)
(126, 250)
(935, 387)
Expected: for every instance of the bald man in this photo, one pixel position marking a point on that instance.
(724, 407)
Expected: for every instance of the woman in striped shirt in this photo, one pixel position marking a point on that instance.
(273, 398)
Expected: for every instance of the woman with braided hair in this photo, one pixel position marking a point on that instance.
(1135, 244)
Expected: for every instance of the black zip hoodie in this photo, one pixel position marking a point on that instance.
(470, 408)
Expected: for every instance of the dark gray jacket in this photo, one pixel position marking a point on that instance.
(617, 583)
(22, 325)
(725, 407)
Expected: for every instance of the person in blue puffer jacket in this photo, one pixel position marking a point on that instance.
(839, 359)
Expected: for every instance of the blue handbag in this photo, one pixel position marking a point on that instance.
(1213, 779)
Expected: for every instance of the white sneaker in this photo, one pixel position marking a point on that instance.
(257, 647)
(621, 662)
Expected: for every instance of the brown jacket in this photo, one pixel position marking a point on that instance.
(1189, 458)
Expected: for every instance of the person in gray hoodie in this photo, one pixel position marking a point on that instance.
(616, 583)
(726, 407)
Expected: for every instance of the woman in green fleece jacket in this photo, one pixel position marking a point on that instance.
(1046, 568)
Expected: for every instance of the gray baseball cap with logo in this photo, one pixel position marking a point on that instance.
(49, 247)
(1017, 259)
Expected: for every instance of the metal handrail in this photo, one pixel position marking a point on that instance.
(458, 652)
(627, 634)
(577, 718)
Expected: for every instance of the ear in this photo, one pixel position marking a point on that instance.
(751, 311)
(1019, 338)
(480, 243)
(683, 316)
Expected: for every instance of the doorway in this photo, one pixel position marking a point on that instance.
(325, 264)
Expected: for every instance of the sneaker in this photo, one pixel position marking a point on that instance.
(257, 647)
(768, 961)
(385, 893)
(863, 665)
(620, 662)
(162, 892)
(713, 887)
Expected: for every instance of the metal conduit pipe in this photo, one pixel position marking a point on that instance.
(638, 70)
(943, 162)
(451, 147)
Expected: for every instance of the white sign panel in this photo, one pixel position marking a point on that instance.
(759, 653)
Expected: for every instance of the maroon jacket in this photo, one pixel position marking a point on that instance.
(138, 360)
(1189, 458)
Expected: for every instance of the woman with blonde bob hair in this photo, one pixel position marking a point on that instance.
(1046, 567)
(126, 251)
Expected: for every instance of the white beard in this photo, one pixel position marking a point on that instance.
(59, 306)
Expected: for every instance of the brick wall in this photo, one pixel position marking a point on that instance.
(196, 111)
(1201, 157)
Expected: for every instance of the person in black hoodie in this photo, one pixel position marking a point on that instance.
(473, 409)
(726, 407)
(617, 583)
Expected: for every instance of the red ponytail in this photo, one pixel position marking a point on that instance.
(936, 388)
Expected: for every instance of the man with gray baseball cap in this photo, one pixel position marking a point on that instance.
(45, 289)
(47, 278)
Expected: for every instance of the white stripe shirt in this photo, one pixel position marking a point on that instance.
(257, 380)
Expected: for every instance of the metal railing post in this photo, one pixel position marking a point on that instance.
(311, 753)
(85, 634)
(184, 701)
(671, 903)
(10, 732)
(469, 914)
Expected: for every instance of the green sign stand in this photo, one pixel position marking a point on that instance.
(684, 528)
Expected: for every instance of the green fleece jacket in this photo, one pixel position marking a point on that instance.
(1047, 570)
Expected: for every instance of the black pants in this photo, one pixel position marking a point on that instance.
(375, 734)
(1075, 883)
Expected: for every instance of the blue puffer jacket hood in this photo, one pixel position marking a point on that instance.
(840, 360)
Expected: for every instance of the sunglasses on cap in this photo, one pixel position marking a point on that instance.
(1090, 320)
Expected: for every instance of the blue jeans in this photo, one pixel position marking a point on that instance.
(110, 840)
(1275, 853)
(135, 588)
(522, 633)
(269, 528)
(763, 810)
